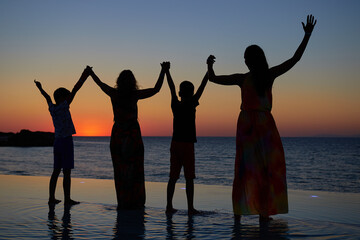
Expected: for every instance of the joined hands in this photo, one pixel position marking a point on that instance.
(165, 66)
(210, 60)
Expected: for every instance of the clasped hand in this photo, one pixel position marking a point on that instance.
(165, 66)
(210, 60)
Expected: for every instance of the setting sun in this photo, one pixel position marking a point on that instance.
(93, 128)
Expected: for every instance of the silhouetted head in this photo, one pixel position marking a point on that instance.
(126, 82)
(186, 89)
(61, 94)
(255, 58)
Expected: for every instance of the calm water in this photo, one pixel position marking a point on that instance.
(325, 164)
(99, 221)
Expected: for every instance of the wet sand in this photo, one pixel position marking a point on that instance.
(24, 213)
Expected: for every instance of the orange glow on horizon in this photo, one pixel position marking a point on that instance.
(92, 132)
(88, 128)
(319, 113)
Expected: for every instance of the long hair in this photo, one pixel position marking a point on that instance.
(256, 61)
(126, 84)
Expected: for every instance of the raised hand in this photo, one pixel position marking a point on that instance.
(88, 70)
(165, 66)
(46, 96)
(38, 84)
(310, 24)
(210, 60)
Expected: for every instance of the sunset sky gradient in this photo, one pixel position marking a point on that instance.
(53, 41)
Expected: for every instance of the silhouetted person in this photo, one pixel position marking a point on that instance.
(184, 136)
(126, 145)
(63, 144)
(259, 185)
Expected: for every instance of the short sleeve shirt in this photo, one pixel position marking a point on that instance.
(184, 129)
(63, 124)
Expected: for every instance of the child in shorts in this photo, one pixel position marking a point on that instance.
(63, 143)
(182, 152)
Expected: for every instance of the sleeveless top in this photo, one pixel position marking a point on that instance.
(250, 99)
(125, 111)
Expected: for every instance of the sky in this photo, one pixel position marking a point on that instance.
(53, 41)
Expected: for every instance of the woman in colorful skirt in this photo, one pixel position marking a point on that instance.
(259, 186)
(126, 145)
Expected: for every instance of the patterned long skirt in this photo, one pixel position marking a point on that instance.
(259, 185)
(127, 153)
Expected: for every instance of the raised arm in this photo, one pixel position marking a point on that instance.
(149, 92)
(233, 79)
(287, 65)
(170, 80)
(110, 91)
(79, 84)
(201, 88)
(46, 96)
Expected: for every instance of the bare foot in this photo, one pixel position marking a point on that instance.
(71, 202)
(54, 201)
(193, 211)
(170, 210)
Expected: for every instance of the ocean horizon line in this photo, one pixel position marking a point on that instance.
(355, 135)
(311, 136)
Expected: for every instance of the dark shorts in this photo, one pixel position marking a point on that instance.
(182, 154)
(64, 153)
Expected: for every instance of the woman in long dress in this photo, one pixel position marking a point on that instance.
(259, 186)
(126, 145)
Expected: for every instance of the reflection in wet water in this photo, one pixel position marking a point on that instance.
(101, 221)
(130, 224)
(277, 229)
(60, 229)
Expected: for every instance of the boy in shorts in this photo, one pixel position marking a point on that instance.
(63, 144)
(184, 136)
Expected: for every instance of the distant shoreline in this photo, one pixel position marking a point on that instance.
(26, 138)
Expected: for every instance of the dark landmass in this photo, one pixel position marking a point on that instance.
(26, 138)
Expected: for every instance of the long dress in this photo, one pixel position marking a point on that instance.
(259, 185)
(127, 153)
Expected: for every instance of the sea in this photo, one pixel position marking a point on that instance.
(323, 176)
(329, 164)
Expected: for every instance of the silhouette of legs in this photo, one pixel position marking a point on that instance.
(170, 193)
(190, 196)
(52, 186)
(67, 186)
